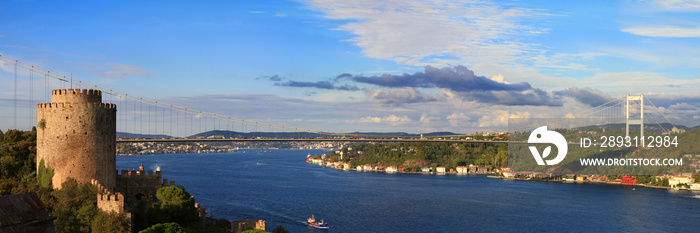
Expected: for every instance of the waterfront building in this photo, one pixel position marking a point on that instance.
(441, 169)
(581, 177)
(695, 186)
(462, 170)
(673, 181)
(599, 179)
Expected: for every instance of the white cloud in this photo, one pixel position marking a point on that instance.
(432, 32)
(620, 83)
(393, 120)
(459, 120)
(565, 60)
(678, 5)
(667, 31)
(499, 78)
(499, 118)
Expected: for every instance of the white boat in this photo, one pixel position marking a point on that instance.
(320, 225)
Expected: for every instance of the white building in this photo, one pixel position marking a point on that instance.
(462, 170)
(441, 169)
(676, 180)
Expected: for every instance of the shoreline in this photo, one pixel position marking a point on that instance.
(491, 175)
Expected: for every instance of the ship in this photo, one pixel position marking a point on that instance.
(312, 223)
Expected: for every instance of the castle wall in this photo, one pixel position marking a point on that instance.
(248, 224)
(133, 183)
(76, 95)
(78, 137)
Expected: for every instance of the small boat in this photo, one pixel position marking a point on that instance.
(320, 225)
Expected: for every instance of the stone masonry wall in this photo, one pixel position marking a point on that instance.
(78, 137)
(135, 183)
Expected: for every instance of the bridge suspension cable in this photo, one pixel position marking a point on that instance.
(150, 102)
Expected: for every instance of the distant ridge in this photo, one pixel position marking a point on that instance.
(235, 134)
(135, 135)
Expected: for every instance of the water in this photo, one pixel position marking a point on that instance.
(280, 187)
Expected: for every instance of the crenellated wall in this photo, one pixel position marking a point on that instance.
(137, 184)
(76, 137)
(107, 200)
(247, 224)
(76, 95)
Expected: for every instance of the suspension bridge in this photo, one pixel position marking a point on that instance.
(167, 122)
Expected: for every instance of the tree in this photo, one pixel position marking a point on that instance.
(75, 206)
(176, 205)
(255, 231)
(279, 229)
(164, 228)
(110, 222)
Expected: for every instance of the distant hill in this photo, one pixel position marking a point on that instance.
(134, 135)
(403, 134)
(235, 134)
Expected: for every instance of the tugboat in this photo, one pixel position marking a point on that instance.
(320, 225)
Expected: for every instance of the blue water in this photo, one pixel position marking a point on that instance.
(280, 187)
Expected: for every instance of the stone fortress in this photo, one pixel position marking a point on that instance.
(76, 137)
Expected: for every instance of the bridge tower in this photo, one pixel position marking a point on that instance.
(76, 135)
(640, 121)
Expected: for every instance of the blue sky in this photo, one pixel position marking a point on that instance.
(344, 66)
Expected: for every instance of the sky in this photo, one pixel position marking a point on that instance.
(364, 65)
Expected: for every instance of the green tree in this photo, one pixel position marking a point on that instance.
(164, 228)
(279, 229)
(17, 154)
(176, 205)
(45, 175)
(255, 231)
(75, 206)
(110, 223)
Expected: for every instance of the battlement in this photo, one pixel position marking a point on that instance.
(106, 200)
(76, 95)
(100, 187)
(117, 197)
(165, 183)
(70, 104)
(76, 92)
(127, 173)
(248, 224)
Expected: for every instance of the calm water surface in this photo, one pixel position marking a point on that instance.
(280, 187)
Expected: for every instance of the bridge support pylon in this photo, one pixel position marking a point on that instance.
(639, 121)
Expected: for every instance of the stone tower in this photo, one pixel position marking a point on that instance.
(76, 137)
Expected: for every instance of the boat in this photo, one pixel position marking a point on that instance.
(312, 223)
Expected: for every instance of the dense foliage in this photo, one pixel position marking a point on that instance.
(164, 228)
(17, 154)
(686, 145)
(74, 206)
(175, 205)
(414, 155)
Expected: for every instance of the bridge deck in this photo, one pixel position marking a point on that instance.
(300, 140)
